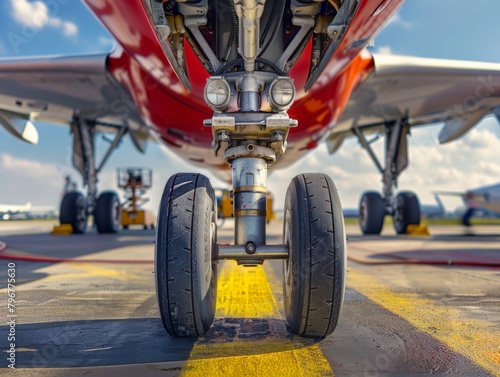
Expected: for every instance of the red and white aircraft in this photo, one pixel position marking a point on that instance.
(241, 86)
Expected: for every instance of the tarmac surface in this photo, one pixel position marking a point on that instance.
(399, 318)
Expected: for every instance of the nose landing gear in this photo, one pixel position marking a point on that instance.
(314, 246)
(314, 238)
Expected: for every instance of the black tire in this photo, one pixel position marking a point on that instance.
(314, 274)
(371, 213)
(406, 211)
(125, 227)
(73, 211)
(186, 275)
(107, 213)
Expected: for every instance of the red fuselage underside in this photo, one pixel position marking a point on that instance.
(177, 115)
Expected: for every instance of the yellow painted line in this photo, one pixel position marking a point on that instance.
(245, 293)
(477, 340)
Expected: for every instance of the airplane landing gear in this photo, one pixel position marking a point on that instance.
(314, 236)
(373, 207)
(75, 208)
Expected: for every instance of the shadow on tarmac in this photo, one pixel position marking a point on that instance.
(144, 340)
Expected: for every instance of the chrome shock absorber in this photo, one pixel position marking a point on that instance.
(250, 192)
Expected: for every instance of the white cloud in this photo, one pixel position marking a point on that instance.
(70, 29)
(38, 15)
(399, 21)
(384, 50)
(29, 180)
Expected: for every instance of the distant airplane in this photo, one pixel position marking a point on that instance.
(9, 210)
(431, 211)
(482, 198)
(26, 211)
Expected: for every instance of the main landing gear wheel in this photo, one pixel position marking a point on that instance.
(314, 274)
(371, 213)
(107, 213)
(73, 211)
(406, 211)
(186, 276)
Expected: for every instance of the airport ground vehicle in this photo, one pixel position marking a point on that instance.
(135, 182)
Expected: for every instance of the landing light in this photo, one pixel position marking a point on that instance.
(217, 93)
(281, 93)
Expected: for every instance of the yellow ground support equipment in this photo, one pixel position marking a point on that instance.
(135, 182)
(418, 230)
(225, 205)
(62, 230)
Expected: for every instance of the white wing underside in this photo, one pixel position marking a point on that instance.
(55, 89)
(424, 91)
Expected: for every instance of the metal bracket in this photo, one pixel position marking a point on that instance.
(303, 16)
(251, 126)
(195, 15)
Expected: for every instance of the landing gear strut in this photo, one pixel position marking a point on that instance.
(404, 207)
(75, 208)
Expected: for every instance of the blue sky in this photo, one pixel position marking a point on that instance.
(453, 29)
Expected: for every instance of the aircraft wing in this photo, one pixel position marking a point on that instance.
(423, 91)
(55, 89)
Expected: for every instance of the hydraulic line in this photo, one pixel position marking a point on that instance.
(44, 259)
(234, 31)
(278, 20)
